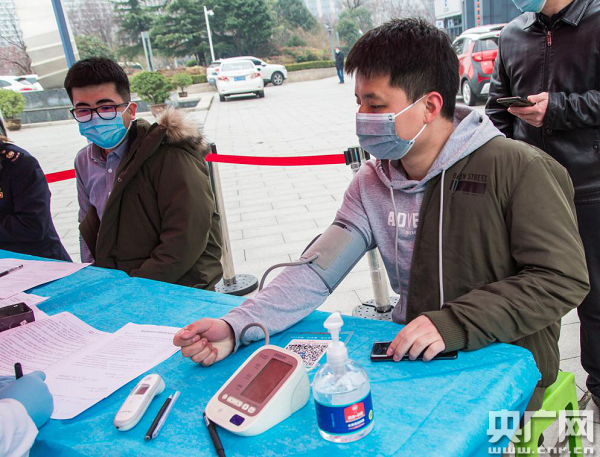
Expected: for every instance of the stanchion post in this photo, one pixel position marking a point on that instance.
(231, 283)
(380, 307)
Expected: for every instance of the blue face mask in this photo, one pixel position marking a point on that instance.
(530, 6)
(377, 135)
(107, 134)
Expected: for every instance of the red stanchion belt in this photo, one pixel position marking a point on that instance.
(328, 159)
(60, 176)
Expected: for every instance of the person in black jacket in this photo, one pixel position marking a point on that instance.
(550, 55)
(339, 64)
(26, 225)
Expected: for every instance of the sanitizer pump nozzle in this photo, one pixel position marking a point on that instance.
(337, 354)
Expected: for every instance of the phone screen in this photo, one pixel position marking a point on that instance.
(380, 348)
(379, 353)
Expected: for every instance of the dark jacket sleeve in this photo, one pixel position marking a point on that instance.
(552, 276)
(186, 206)
(30, 218)
(500, 87)
(573, 111)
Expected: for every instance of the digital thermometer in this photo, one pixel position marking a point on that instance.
(137, 402)
(270, 386)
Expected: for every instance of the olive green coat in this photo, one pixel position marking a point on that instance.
(160, 220)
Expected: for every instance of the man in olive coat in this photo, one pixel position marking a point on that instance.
(145, 201)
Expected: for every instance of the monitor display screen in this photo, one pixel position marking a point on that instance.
(266, 380)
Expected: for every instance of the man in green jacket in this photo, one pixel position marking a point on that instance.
(477, 232)
(145, 202)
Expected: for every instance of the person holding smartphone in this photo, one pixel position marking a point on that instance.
(544, 55)
(453, 207)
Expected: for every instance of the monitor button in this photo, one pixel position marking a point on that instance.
(236, 420)
(224, 397)
(251, 409)
(245, 406)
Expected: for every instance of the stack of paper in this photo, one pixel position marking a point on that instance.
(84, 365)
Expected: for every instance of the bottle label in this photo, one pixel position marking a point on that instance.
(345, 419)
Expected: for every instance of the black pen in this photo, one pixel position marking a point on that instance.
(18, 370)
(10, 270)
(150, 431)
(214, 436)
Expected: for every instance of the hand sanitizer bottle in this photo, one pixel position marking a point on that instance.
(342, 392)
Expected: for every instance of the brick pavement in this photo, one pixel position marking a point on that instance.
(273, 212)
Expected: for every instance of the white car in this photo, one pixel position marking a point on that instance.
(10, 83)
(30, 80)
(239, 77)
(271, 73)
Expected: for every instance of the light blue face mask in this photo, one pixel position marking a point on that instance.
(530, 6)
(107, 134)
(377, 135)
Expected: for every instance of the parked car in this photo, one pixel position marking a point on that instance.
(30, 80)
(477, 49)
(239, 77)
(271, 73)
(10, 83)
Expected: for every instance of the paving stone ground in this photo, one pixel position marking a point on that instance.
(273, 212)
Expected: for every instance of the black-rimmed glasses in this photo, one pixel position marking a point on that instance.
(106, 112)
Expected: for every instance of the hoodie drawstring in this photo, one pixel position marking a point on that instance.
(441, 267)
(396, 237)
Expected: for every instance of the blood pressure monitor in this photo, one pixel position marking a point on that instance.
(270, 386)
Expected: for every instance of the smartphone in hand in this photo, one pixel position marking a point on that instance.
(379, 354)
(514, 101)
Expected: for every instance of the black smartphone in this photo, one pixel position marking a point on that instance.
(379, 354)
(514, 101)
(15, 315)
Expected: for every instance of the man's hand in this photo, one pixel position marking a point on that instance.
(420, 336)
(533, 115)
(206, 341)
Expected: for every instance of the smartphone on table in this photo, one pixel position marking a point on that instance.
(379, 354)
(514, 101)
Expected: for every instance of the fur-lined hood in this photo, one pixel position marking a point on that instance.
(182, 129)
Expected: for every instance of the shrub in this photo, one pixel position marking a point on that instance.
(191, 63)
(295, 40)
(308, 65)
(152, 87)
(182, 80)
(11, 103)
(199, 79)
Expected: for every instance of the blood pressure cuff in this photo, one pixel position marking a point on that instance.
(339, 248)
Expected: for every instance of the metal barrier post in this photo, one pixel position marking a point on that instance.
(231, 283)
(380, 307)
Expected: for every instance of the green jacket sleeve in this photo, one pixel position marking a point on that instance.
(186, 206)
(552, 275)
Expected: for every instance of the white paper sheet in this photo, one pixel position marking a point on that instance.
(30, 300)
(43, 343)
(96, 372)
(33, 273)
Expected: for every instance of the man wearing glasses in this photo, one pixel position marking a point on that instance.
(145, 202)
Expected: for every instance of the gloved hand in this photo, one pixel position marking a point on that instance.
(5, 381)
(32, 392)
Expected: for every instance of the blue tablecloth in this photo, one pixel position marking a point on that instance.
(421, 409)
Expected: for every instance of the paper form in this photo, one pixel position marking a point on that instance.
(84, 365)
(33, 273)
(30, 300)
(96, 372)
(40, 344)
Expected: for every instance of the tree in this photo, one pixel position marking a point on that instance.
(134, 17)
(242, 27)
(352, 24)
(294, 14)
(384, 10)
(93, 18)
(90, 46)
(353, 4)
(13, 50)
(181, 30)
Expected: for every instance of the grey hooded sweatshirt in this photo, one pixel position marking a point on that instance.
(384, 205)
